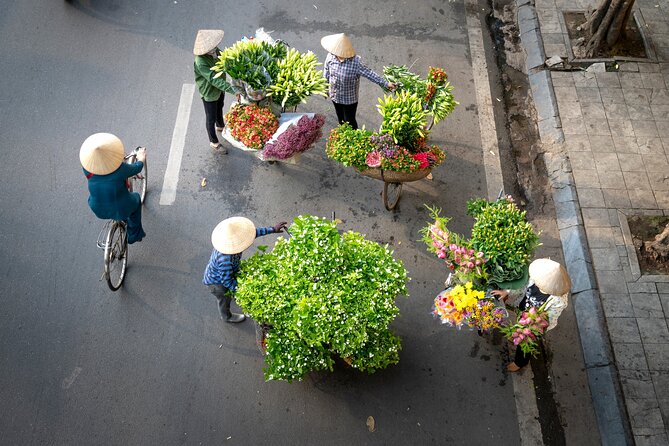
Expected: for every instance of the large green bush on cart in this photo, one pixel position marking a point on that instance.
(324, 294)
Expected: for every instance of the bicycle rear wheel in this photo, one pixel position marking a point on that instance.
(116, 255)
(391, 194)
(138, 183)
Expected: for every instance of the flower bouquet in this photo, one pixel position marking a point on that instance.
(435, 92)
(531, 325)
(324, 295)
(297, 79)
(486, 315)
(252, 64)
(454, 306)
(463, 262)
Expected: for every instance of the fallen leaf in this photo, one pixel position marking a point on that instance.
(371, 425)
(399, 243)
(204, 182)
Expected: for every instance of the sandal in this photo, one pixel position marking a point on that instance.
(513, 368)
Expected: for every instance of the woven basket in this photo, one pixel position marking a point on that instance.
(390, 176)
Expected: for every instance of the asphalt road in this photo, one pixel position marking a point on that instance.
(152, 363)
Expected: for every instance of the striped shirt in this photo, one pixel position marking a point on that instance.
(344, 78)
(222, 268)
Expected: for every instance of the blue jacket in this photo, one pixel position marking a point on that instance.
(110, 198)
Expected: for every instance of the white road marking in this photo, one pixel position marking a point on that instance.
(169, 191)
(523, 383)
(67, 382)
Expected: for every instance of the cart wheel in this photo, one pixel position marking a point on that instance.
(391, 194)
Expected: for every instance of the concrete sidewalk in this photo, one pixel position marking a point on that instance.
(609, 133)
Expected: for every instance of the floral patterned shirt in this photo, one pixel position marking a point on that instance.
(344, 78)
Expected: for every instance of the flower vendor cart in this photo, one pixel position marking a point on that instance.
(392, 182)
(322, 295)
(398, 152)
(269, 78)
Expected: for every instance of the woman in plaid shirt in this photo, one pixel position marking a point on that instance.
(342, 69)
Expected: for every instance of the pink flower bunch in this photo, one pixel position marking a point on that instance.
(459, 258)
(373, 159)
(525, 333)
(296, 139)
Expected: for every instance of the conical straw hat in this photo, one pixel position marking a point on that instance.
(101, 153)
(550, 277)
(206, 40)
(339, 45)
(233, 235)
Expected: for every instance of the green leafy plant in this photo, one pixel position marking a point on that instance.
(252, 61)
(403, 118)
(297, 79)
(324, 294)
(348, 146)
(502, 232)
(435, 92)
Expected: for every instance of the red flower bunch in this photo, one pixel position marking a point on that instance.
(253, 126)
(422, 158)
(437, 75)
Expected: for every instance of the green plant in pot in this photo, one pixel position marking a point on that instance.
(324, 294)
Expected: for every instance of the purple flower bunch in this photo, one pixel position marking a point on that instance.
(385, 145)
(296, 139)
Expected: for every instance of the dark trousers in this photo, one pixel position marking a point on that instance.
(134, 221)
(224, 297)
(346, 113)
(213, 112)
(521, 359)
(135, 230)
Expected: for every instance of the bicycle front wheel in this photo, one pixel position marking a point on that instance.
(116, 255)
(138, 183)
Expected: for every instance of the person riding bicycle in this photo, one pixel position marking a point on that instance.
(102, 158)
(230, 238)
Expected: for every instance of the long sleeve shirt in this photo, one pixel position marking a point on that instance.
(109, 196)
(210, 88)
(344, 78)
(222, 268)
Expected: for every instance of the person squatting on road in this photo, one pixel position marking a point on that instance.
(342, 69)
(230, 238)
(212, 90)
(101, 157)
(548, 284)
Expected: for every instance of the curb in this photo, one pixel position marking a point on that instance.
(599, 362)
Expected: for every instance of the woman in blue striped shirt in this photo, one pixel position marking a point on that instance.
(342, 69)
(230, 238)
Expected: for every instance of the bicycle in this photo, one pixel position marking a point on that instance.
(113, 236)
